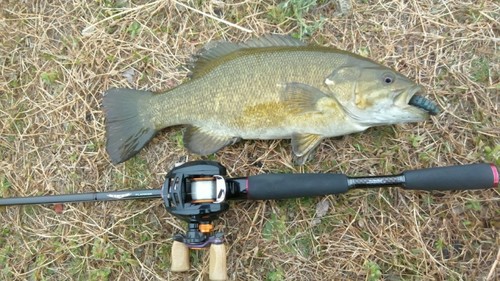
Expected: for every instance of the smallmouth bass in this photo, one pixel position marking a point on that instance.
(272, 87)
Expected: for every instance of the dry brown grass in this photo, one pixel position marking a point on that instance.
(52, 77)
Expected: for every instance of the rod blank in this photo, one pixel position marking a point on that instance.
(83, 197)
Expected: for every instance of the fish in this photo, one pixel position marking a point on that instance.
(269, 87)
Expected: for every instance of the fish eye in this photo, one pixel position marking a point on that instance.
(388, 78)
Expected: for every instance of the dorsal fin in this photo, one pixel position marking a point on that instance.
(202, 62)
(217, 49)
(212, 51)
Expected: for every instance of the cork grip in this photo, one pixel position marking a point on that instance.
(180, 257)
(218, 268)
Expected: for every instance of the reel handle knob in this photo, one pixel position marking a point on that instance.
(179, 257)
(218, 266)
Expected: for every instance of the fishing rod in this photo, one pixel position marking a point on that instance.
(197, 192)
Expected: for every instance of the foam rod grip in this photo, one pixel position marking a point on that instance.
(462, 177)
(179, 257)
(283, 186)
(218, 267)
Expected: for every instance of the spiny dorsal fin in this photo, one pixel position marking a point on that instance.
(202, 61)
(217, 49)
(207, 57)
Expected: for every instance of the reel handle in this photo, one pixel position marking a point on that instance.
(218, 265)
(179, 257)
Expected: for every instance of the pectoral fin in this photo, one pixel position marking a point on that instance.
(303, 145)
(203, 142)
(302, 98)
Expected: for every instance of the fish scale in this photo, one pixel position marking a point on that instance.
(273, 87)
(252, 80)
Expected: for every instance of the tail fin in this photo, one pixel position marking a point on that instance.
(127, 126)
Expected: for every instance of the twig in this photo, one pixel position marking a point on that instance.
(90, 28)
(215, 18)
(492, 275)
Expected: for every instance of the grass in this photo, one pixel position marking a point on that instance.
(57, 60)
(296, 12)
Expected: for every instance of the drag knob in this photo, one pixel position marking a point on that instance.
(179, 257)
(218, 268)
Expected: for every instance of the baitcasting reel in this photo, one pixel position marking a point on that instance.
(195, 192)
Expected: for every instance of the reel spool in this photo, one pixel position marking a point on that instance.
(208, 189)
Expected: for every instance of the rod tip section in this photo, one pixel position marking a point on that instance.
(179, 257)
(218, 267)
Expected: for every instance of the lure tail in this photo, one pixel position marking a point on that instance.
(425, 104)
(128, 125)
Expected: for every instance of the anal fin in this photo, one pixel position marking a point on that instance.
(203, 142)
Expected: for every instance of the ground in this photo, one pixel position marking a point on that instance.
(58, 57)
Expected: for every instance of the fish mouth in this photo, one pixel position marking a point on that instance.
(415, 98)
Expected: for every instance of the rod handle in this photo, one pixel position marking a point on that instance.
(282, 186)
(462, 177)
(218, 266)
(179, 257)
